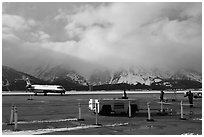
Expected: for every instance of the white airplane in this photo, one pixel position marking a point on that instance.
(44, 88)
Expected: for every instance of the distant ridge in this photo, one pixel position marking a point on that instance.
(15, 80)
(104, 80)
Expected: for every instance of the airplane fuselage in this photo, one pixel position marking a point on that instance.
(46, 88)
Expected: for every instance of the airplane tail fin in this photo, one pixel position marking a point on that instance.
(28, 84)
(7, 83)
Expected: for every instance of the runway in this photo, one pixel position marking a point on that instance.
(23, 93)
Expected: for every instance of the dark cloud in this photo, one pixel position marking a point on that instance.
(114, 35)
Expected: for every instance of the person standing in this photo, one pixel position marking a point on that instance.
(190, 98)
(162, 96)
(124, 95)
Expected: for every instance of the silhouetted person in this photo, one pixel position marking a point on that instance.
(124, 95)
(190, 98)
(175, 98)
(162, 96)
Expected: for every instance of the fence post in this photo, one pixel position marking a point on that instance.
(149, 113)
(96, 114)
(129, 106)
(96, 105)
(182, 118)
(80, 119)
(15, 118)
(161, 106)
(12, 115)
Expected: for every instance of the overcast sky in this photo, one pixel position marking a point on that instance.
(165, 35)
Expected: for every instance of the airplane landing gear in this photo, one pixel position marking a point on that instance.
(62, 93)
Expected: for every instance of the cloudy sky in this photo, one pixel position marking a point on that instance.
(114, 35)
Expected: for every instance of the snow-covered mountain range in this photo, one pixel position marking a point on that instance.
(135, 75)
(132, 75)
